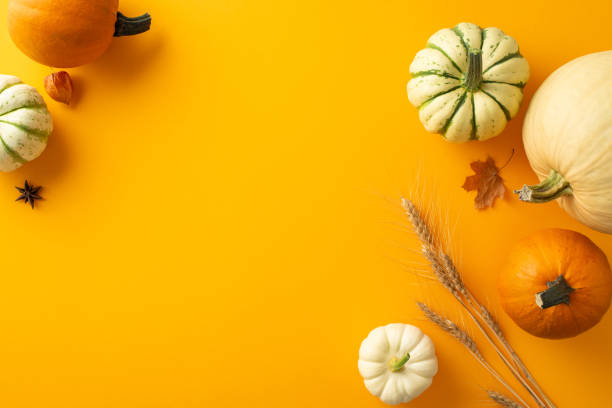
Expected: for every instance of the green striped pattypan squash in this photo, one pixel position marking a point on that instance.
(468, 82)
(25, 123)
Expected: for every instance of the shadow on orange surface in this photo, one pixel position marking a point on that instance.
(127, 58)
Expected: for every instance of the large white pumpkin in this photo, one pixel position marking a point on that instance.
(397, 362)
(25, 123)
(468, 82)
(568, 139)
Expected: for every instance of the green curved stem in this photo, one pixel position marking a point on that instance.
(132, 26)
(396, 364)
(551, 188)
(473, 77)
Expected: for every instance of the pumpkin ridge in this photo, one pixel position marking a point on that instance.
(459, 33)
(457, 107)
(579, 326)
(502, 60)
(387, 382)
(11, 152)
(34, 132)
(503, 108)
(401, 340)
(435, 47)
(370, 361)
(421, 335)
(9, 86)
(433, 72)
(439, 94)
(417, 374)
(519, 85)
(497, 45)
(474, 124)
(23, 107)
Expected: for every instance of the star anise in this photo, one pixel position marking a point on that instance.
(29, 193)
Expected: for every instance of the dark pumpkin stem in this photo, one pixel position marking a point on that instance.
(473, 77)
(132, 26)
(558, 292)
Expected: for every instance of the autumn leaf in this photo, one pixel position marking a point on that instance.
(487, 181)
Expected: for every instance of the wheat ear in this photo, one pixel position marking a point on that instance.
(445, 271)
(502, 400)
(460, 335)
(492, 324)
(485, 316)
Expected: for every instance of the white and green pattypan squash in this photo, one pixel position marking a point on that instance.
(468, 82)
(25, 123)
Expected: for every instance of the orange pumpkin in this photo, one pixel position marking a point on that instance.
(556, 284)
(69, 33)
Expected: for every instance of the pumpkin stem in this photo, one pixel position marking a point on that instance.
(558, 292)
(396, 364)
(473, 77)
(132, 26)
(551, 188)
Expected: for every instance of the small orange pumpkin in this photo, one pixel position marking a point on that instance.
(556, 284)
(69, 33)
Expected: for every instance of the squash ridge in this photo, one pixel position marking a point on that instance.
(435, 47)
(23, 107)
(519, 85)
(502, 60)
(433, 72)
(455, 110)
(34, 132)
(503, 108)
(459, 33)
(9, 86)
(439, 94)
(11, 152)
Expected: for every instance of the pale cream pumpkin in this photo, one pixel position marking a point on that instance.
(397, 362)
(468, 82)
(568, 139)
(25, 123)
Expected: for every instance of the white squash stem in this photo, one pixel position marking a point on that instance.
(551, 188)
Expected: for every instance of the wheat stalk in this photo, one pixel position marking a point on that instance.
(502, 400)
(460, 335)
(446, 272)
(451, 328)
(494, 327)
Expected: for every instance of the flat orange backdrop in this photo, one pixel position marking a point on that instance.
(222, 225)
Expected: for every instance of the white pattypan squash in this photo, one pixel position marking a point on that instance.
(397, 362)
(25, 123)
(568, 139)
(468, 82)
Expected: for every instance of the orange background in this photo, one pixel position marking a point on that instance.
(222, 226)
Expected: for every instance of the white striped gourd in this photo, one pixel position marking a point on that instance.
(25, 123)
(468, 82)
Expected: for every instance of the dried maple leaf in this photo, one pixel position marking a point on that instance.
(486, 181)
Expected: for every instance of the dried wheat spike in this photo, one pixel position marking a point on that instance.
(502, 400)
(450, 327)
